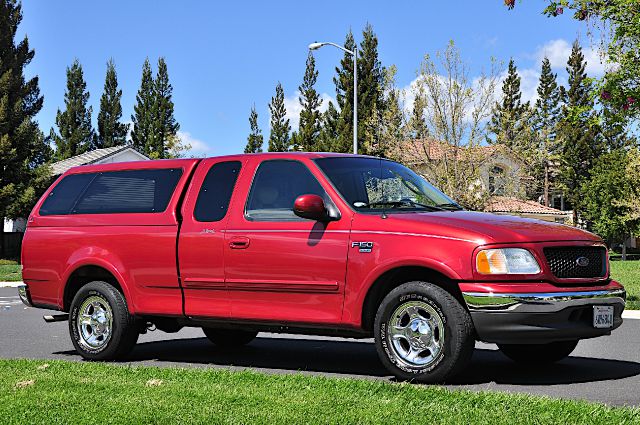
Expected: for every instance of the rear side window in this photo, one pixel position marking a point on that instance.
(133, 191)
(215, 193)
(276, 186)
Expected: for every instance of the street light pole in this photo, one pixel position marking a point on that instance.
(354, 53)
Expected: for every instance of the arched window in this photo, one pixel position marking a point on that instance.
(497, 180)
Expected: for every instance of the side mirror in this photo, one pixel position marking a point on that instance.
(311, 207)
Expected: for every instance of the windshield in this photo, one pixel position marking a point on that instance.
(371, 184)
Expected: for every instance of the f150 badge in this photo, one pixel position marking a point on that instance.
(362, 246)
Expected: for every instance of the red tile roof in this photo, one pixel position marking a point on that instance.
(515, 205)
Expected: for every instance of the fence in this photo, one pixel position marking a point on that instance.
(10, 245)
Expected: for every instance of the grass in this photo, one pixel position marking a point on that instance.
(10, 271)
(33, 391)
(628, 273)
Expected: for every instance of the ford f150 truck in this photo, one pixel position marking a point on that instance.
(313, 243)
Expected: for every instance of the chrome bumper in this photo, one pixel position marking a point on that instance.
(547, 302)
(23, 292)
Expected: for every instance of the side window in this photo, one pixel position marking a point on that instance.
(62, 198)
(213, 200)
(276, 186)
(133, 191)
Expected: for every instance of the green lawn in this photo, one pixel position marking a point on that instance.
(628, 273)
(10, 271)
(70, 392)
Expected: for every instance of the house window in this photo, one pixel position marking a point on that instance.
(497, 181)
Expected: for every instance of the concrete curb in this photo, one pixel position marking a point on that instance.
(627, 314)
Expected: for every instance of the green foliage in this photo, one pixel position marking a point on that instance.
(309, 131)
(74, 123)
(576, 130)
(154, 125)
(510, 118)
(23, 150)
(328, 140)
(279, 139)
(165, 126)
(143, 113)
(58, 394)
(111, 132)
(417, 122)
(344, 96)
(255, 139)
(604, 195)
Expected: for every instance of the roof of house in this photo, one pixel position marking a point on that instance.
(419, 151)
(514, 205)
(86, 158)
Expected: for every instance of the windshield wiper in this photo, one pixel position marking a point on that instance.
(404, 202)
(450, 206)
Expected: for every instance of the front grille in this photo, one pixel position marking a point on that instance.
(568, 262)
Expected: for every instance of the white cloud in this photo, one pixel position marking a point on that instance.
(558, 52)
(293, 107)
(198, 147)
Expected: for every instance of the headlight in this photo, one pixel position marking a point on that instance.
(506, 261)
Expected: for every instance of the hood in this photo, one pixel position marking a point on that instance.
(491, 228)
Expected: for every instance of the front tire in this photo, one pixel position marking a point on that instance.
(229, 337)
(423, 333)
(538, 353)
(100, 325)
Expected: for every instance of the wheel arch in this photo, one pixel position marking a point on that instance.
(393, 277)
(91, 270)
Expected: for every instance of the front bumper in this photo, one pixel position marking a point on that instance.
(541, 317)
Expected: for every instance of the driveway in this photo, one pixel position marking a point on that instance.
(605, 369)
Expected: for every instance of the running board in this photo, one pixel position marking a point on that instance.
(56, 318)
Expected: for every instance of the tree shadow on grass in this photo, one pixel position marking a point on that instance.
(360, 359)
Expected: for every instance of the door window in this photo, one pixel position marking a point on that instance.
(215, 193)
(276, 186)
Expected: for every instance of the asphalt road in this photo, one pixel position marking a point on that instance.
(605, 369)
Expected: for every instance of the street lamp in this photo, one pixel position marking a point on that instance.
(354, 53)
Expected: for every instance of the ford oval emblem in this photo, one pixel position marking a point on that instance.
(582, 261)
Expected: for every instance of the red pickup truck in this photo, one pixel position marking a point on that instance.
(313, 243)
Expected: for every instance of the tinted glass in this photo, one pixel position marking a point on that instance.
(64, 195)
(370, 184)
(215, 193)
(276, 186)
(134, 191)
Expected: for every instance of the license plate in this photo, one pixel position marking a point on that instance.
(602, 316)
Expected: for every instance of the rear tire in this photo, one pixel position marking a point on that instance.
(229, 337)
(538, 353)
(100, 325)
(423, 333)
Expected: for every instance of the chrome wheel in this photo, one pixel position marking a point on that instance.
(416, 333)
(95, 323)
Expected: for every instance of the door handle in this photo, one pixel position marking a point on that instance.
(239, 242)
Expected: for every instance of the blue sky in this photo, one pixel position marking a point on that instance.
(225, 56)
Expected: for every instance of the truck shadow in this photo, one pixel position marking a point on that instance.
(360, 358)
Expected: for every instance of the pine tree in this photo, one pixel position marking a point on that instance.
(23, 150)
(165, 126)
(509, 118)
(328, 138)
(311, 102)
(74, 123)
(370, 92)
(279, 139)
(111, 132)
(546, 115)
(393, 128)
(255, 139)
(144, 113)
(417, 122)
(344, 96)
(576, 131)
